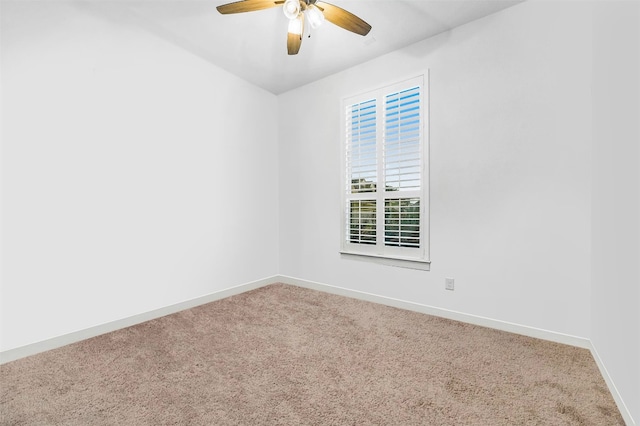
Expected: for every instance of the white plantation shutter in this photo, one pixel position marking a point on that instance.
(402, 166)
(362, 172)
(384, 171)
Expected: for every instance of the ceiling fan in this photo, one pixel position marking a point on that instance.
(298, 11)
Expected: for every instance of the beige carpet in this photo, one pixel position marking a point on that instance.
(283, 355)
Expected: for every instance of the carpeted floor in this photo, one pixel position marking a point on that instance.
(283, 355)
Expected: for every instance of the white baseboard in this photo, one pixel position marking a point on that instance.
(66, 339)
(475, 320)
(56, 342)
(624, 410)
(553, 336)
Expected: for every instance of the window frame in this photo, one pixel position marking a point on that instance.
(416, 258)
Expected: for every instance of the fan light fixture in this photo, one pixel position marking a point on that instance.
(292, 10)
(297, 11)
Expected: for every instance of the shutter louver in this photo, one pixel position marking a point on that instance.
(362, 222)
(402, 140)
(402, 222)
(361, 147)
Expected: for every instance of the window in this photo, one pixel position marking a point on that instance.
(385, 179)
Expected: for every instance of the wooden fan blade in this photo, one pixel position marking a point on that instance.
(247, 6)
(344, 19)
(294, 41)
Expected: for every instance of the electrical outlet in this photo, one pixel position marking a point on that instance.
(448, 284)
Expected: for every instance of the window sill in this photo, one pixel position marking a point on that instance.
(400, 262)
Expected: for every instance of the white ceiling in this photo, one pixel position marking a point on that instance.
(253, 45)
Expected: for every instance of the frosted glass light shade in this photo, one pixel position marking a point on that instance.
(315, 16)
(291, 8)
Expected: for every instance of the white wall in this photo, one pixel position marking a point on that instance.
(615, 330)
(131, 179)
(510, 170)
